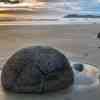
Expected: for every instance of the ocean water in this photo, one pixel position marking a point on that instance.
(81, 11)
(81, 7)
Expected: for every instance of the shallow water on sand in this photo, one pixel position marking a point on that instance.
(71, 94)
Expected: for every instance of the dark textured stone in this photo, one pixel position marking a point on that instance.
(37, 69)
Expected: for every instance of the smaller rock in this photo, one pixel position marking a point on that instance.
(98, 35)
(98, 47)
(79, 67)
(86, 54)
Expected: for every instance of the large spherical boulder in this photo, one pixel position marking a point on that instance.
(37, 69)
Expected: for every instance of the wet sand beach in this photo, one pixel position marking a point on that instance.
(77, 40)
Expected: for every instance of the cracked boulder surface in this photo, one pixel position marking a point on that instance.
(37, 69)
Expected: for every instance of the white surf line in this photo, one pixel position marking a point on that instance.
(49, 20)
(41, 23)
